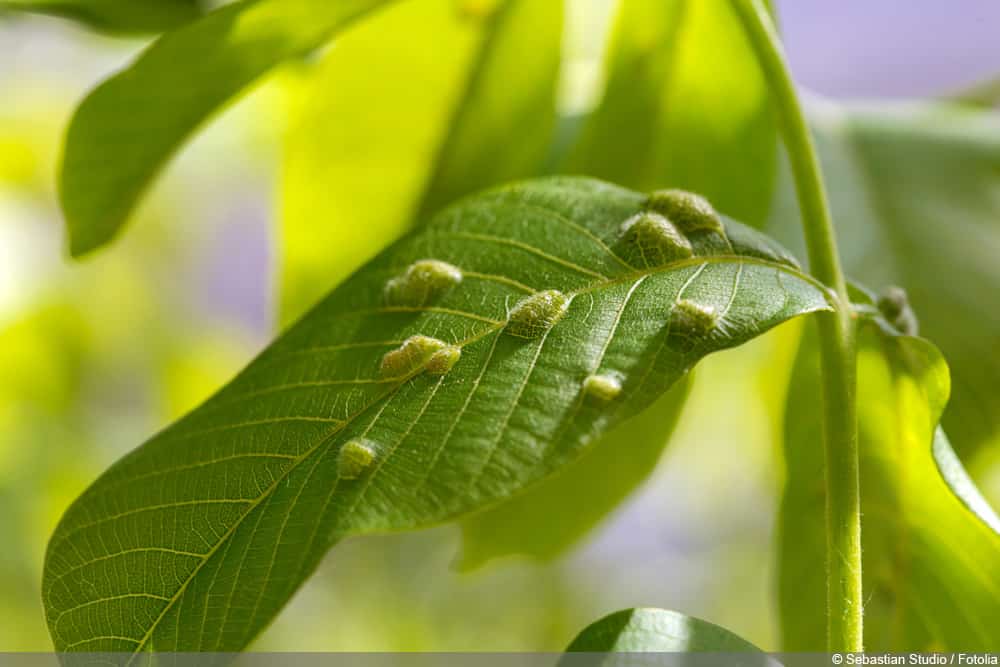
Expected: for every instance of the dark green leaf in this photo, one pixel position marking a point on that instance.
(603, 475)
(686, 105)
(126, 130)
(384, 136)
(931, 550)
(125, 16)
(914, 191)
(643, 630)
(336, 429)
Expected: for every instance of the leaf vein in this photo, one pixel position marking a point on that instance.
(527, 247)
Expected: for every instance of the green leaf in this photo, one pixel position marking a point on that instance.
(124, 16)
(446, 376)
(646, 630)
(126, 130)
(985, 94)
(384, 136)
(915, 191)
(685, 104)
(931, 545)
(602, 473)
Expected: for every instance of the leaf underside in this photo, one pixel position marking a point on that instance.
(195, 540)
(516, 527)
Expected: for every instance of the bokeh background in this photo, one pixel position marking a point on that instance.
(95, 356)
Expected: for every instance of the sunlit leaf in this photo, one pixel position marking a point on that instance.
(465, 363)
(685, 104)
(126, 130)
(644, 630)
(128, 16)
(931, 546)
(916, 196)
(383, 136)
(605, 475)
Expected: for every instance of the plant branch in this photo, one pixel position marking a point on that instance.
(843, 515)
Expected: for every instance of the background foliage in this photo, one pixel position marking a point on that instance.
(94, 357)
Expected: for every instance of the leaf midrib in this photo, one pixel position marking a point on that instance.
(496, 327)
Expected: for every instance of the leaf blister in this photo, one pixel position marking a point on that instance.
(355, 457)
(422, 282)
(533, 316)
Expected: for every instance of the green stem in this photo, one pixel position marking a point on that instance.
(843, 506)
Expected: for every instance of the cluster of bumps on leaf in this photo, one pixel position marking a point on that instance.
(657, 235)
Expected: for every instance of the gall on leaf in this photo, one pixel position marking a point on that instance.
(421, 283)
(603, 387)
(690, 212)
(654, 239)
(536, 314)
(355, 457)
(693, 320)
(413, 355)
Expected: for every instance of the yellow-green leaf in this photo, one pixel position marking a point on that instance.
(127, 129)
(382, 136)
(931, 546)
(685, 105)
(914, 191)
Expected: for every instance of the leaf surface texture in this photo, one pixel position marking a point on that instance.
(197, 538)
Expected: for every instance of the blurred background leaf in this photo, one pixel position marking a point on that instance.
(120, 16)
(382, 136)
(127, 129)
(984, 94)
(94, 356)
(915, 191)
(931, 543)
(198, 272)
(685, 106)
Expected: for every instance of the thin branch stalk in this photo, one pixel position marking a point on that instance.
(837, 340)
